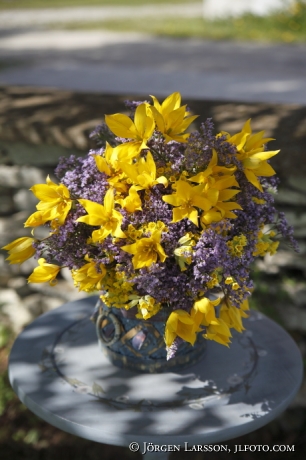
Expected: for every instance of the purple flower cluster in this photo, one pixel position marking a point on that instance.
(82, 178)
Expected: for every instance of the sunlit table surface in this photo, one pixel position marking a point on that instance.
(60, 374)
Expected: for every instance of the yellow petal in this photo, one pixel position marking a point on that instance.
(157, 105)
(172, 102)
(128, 151)
(257, 140)
(144, 122)
(211, 216)
(101, 234)
(172, 199)
(203, 203)
(96, 213)
(265, 155)
(36, 219)
(102, 165)
(253, 179)
(186, 122)
(158, 119)
(174, 120)
(225, 195)
(130, 248)
(160, 251)
(109, 201)
(121, 125)
(264, 170)
(44, 192)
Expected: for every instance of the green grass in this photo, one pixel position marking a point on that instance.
(15, 4)
(287, 26)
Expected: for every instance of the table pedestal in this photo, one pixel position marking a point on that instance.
(59, 372)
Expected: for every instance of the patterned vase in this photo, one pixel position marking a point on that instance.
(138, 344)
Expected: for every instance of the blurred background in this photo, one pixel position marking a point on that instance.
(63, 65)
(238, 50)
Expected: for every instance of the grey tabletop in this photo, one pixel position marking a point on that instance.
(59, 373)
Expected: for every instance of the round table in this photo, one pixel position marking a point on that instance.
(60, 374)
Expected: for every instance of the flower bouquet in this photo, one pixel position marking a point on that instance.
(158, 220)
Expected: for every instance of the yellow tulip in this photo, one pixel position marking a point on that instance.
(37, 218)
(180, 324)
(223, 208)
(146, 250)
(87, 278)
(140, 130)
(54, 206)
(143, 173)
(251, 153)
(132, 202)
(44, 272)
(188, 198)
(147, 307)
(213, 172)
(231, 316)
(183, 253)
(218, 331)
(171, 119)
(219, 178)
(108, 164)
(203, 311)
(105, 216)
(20, 250)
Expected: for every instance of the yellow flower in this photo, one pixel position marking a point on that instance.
(143, 173)
(236, 245)
(222, 208)
(44, 272)
(105, 216)
(108, 164)
(215, 278)
(251, 153)
(140, 130)
(243, 308)
(218, 331)
(180, 324)
(183, 254)
(117, 292)
(133, 233)
(146, 250)
(188, 198)
(214, 172)
(203, 311)
(171, 119)
(221, 179)
(87, 278)
(231, 316)
(54, 206)
(265, 244)
(147, 307)
(204, 314)
(20, 250)
(132, 202)
(36, 219)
